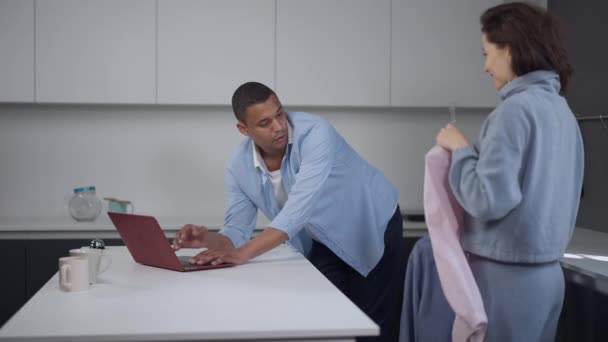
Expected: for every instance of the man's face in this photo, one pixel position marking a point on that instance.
(266, 123)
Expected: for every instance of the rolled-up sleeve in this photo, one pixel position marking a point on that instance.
(318, 155)
(241, 214)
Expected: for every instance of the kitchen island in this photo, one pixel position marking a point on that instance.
(278, 296)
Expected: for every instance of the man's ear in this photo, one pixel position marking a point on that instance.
(242, 128)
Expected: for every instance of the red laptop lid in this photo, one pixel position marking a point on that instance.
(145, 240)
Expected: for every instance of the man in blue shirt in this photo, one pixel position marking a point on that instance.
(319, 194)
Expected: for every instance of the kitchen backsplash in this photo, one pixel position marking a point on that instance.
(169, 160)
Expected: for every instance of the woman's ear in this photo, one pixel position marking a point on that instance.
(509, 56)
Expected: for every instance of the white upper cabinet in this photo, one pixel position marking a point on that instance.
(17, 50)
(333, 52)
(375, 53)
(91, 51)
(206, 49)
(437, 56)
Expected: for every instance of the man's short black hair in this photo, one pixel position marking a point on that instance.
(249, 94)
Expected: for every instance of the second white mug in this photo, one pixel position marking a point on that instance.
(99, 261)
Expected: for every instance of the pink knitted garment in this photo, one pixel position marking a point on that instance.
(443, 217)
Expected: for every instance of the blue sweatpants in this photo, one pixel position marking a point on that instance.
(522, 301)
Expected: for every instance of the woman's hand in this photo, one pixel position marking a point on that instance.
(451, 138)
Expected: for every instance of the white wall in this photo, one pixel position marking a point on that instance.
(169, 160)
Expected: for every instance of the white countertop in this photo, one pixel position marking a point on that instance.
(586, 259)
(278, 295)
(64, 228)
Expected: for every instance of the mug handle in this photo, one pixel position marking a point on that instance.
(132, 208)
(63, 276)
(108, 261)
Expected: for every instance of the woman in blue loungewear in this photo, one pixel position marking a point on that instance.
(519, 185)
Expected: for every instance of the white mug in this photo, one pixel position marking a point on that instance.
(74, 273)
(99, 261)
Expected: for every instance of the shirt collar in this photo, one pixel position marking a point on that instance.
(257, 158)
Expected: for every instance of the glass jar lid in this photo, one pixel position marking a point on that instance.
(84, 188)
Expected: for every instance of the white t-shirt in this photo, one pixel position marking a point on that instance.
(276, 179)
(277, 185)
(279, 193)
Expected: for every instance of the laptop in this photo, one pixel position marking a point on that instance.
(149, 246)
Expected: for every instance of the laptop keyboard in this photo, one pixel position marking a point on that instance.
(184, 260)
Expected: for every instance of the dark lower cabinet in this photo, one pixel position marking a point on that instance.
(12, 286)
(584, 315)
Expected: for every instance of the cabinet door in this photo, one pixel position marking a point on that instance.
(17, 50)
(12, 286)
(437, 56)
(206, 49)
(92, 51)
(333, 52)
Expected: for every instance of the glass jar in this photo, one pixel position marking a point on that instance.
(84, 204)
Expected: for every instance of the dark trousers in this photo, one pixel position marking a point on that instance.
(379, 294)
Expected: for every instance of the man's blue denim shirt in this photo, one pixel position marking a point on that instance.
(333, 194)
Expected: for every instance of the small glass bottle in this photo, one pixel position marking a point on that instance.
(97, 244)
(84, 204)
